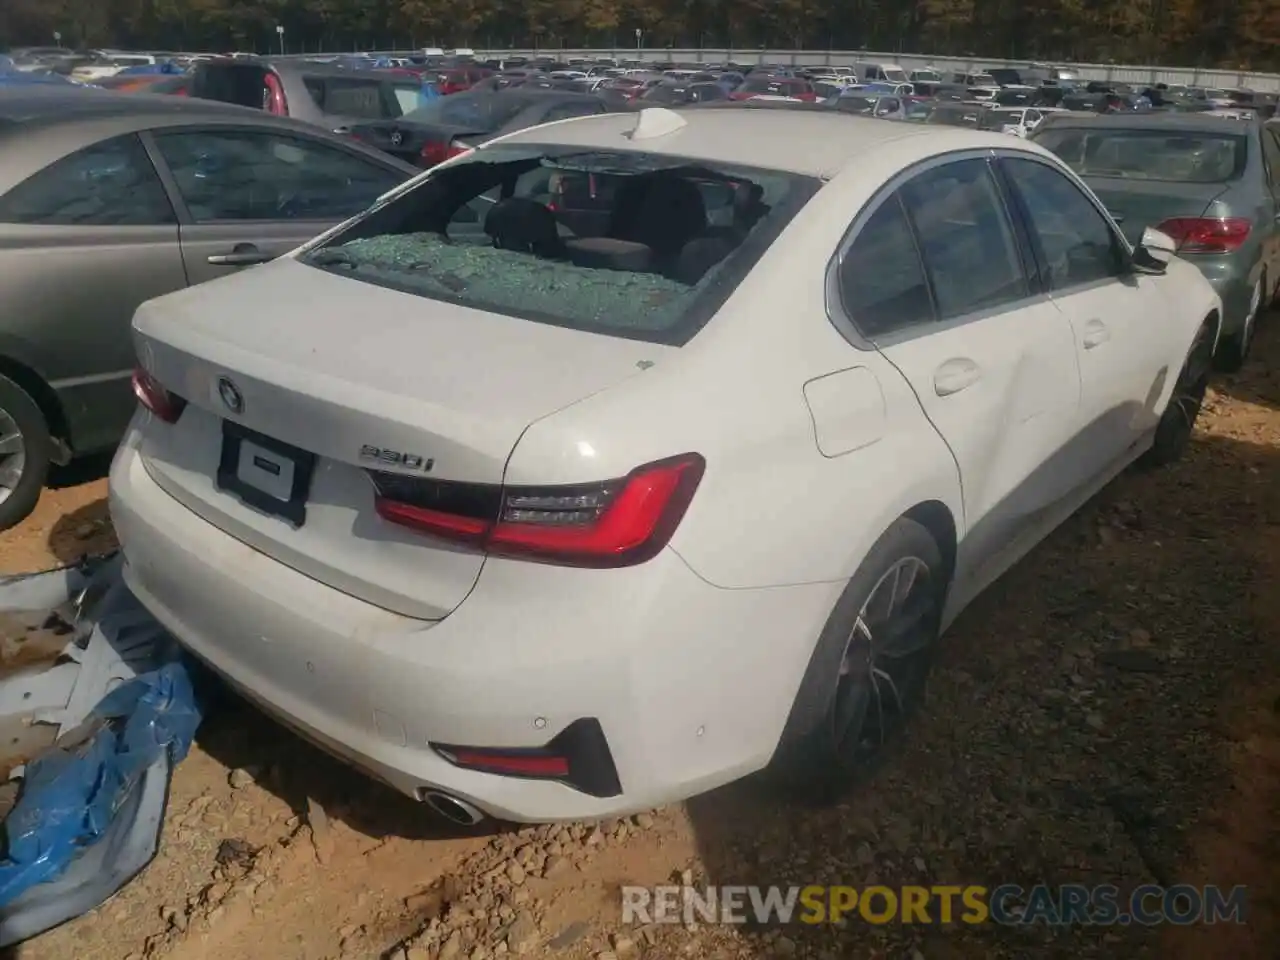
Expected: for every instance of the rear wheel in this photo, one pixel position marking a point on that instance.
(1234, 349)
(868, 670)
(25, 448)
(1173, 433)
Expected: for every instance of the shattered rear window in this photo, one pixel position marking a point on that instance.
(624, 243)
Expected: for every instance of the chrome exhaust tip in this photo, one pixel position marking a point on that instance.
(453, 809)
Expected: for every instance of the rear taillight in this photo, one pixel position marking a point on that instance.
(165, 405)
(1207, 234)
(616, 523)
(437, 152)
(274, 101)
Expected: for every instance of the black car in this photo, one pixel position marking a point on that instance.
(451, 125)
(678, 93)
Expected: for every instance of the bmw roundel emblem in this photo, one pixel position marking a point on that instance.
(231, 396)
(397, 138)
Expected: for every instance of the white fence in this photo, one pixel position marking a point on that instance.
(1124, 73)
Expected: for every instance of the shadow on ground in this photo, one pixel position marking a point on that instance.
(1107, 713)
(85, 531)
(239, 736)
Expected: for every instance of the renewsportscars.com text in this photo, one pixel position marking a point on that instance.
(1008, 904)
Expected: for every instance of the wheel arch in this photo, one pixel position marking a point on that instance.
(936, 517)
(44, 396)
(1215, 314)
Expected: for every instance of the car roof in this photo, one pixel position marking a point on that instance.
(38, 106)
(1197, 121)
(310, 68)
(817, 143)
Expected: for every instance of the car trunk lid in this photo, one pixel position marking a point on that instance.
(357, 377)
(1138, 204)
(414, 143)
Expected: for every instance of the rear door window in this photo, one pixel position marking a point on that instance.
(882, 282)
(965, 238)
(625, 243)
(112, 183)
(226, 175)
(353, 97)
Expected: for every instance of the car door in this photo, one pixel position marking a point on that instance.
(1115, 313)
(1271, 168)
(82, 243)
(993, 367)
(247, 196)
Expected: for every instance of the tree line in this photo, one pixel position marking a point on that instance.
(1240, 35)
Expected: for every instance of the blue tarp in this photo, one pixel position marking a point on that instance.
(70, 796)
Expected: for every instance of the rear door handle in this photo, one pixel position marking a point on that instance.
(955, 375)
(241, 255)
(1095, 333)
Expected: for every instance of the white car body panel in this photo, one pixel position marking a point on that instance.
(380, 388)
(375, 641)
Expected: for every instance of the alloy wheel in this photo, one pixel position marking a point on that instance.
(885, 660)
(13, 455)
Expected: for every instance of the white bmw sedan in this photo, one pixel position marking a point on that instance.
(628, 455)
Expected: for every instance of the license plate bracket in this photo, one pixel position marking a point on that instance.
(265, 473)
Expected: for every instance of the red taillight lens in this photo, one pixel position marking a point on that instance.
(165, 405)
(1207, 234)
(513, 764)
(436, 152)
(617, 523)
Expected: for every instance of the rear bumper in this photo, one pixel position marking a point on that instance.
(690, 683)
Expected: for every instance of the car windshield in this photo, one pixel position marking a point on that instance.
(482, 112)
(996, 119)
(955, 118)
(630, 244)
(855, 104)
(666, 93)
(1165, 155)
(779, 86)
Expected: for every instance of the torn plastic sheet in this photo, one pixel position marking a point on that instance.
(89, 811)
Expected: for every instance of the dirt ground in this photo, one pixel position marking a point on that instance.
(1109, 712)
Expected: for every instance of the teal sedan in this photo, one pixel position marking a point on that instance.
(1210, 182)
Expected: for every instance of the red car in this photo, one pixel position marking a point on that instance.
(462, 78)
(792, 87)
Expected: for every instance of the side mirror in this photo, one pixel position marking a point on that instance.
(1153, 253)
(1159, 244)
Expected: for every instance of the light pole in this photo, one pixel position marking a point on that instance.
(280, 34)
(639, 37)
(57, 37)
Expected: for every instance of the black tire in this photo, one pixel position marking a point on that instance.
(1234, 349)
(17, 404)
(812, 760)
(1173, 432)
